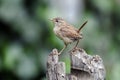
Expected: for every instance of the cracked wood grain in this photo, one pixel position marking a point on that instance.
(83, 66)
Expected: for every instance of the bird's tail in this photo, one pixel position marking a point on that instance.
(82, 26)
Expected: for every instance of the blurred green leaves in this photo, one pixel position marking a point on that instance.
(12, 55)
(26, 36)
(104, 5)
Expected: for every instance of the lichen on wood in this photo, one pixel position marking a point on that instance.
(83, 66)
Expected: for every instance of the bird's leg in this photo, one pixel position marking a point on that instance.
(75, 47)
(62, 49)
(76, 44)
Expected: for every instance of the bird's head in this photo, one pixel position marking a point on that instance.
(58, 21)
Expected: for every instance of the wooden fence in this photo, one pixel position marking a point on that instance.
(83, 66)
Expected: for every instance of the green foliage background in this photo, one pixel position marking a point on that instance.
(26, 37)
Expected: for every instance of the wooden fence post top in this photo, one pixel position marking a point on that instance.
(93, 65)
(53, 56)
(83, 66)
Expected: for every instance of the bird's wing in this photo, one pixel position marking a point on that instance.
(70, 32)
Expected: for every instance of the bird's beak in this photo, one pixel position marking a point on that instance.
(51, 20)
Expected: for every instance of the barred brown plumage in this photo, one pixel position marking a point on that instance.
(66, 32)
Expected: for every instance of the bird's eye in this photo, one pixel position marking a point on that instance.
(56, 20)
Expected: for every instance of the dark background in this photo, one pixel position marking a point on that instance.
(27, 38)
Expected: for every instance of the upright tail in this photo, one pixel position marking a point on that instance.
(82, 26)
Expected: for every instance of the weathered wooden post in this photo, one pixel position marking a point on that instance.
(83, 66)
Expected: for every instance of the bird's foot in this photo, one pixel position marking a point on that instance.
(75, 48)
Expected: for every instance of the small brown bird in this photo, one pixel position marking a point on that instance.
(66, 32)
